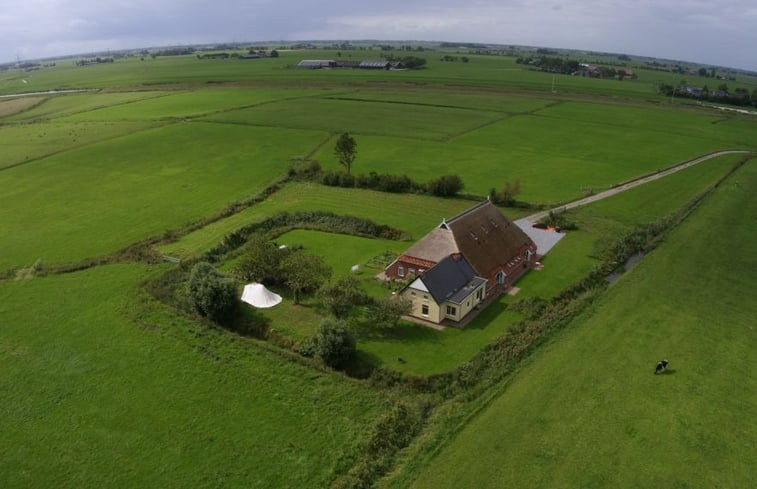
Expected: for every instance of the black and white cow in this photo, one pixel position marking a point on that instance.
(661, 366)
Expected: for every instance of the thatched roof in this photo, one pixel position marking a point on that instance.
(486, 237)
(482, 234)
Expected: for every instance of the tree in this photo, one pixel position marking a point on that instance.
(339, 296)
(211, 293)
(702, 71)
(302, 272)
(445, 186)
(274, 54)
(333, 343)
(346, 150)
(386, 312)
(260, 261)
(505, 196)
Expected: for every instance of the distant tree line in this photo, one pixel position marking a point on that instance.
(178, 51)
(451, 58)
(409, 62)
(94, 61)
(739, 96)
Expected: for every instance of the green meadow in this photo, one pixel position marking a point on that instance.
(338, 115)
(53, 106)
(185, 104)
(97, 199)
(587, 411)
(23, 143)
(96, 375)
(103, 385)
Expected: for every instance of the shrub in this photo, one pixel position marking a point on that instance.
(212, 294)
(341, 295)
(445, 186)
(333, 343)
(387, 311)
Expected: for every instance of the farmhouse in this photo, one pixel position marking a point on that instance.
(495, 248)
(449, 290)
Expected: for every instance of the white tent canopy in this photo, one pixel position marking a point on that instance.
(257, 295)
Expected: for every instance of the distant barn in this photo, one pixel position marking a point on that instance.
(314, 64)
(375, 65)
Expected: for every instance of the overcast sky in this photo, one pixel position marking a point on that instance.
(722, 32)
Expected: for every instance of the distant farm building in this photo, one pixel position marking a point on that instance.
(314, 64)
(496, 250)
(375, 65)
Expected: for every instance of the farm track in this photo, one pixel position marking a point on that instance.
(632, 184)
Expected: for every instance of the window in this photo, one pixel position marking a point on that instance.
(467, 304)
(451, 311)
(480, 294)
(425, 296)
(411, 272)
(501, 277)
(528, 255)
(424, 309)
(412, 293)
(400, 271)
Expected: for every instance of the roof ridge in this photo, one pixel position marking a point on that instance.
(467, 211)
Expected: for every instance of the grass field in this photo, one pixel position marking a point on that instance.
(338, 115)
(104, 386)
(97, 199)
(481, 71)
(591, 146)
(15, 105)
(94, 375)
(26, 142)
(61, 105)
(587, 412)
(191, 103)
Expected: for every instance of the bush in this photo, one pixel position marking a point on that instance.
(341, 295)
(387, 311)
(559, 221)
(445, 186)
(260, 262)
(333, 343)
(212, 294)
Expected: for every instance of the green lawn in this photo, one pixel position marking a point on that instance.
(362, 117)
(61, 105)
(96, 199)
(11, 106)
(104, 387)
(591, 147)
(192, 103)
(586, 411)
(25, 142)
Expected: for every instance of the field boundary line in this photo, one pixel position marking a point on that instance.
(635, 182)
(419, 104)
(258, 104)
(505, 116)
(34, 120)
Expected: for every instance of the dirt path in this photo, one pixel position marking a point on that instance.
(631, 184)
